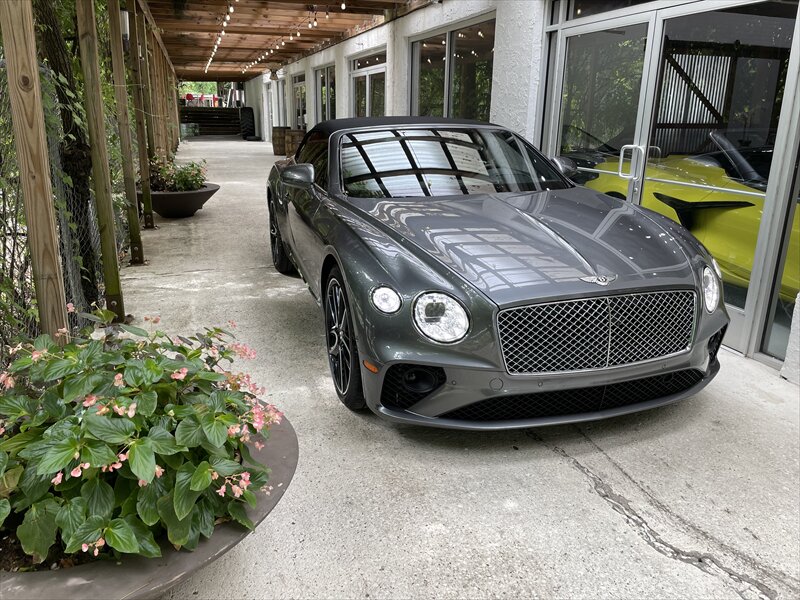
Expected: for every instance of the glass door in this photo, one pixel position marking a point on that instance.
(601, 85)
(711, 127)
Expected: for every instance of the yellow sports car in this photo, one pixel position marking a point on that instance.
(724, 218)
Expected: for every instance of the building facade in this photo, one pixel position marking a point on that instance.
(688, 107)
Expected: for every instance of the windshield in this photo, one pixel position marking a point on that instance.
(399, 163)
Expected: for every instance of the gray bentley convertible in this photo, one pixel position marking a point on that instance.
(465, 282)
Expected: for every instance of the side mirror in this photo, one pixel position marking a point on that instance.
(566, 166)
(298, 176)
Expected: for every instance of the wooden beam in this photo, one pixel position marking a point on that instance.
(124, 123)
(146, 11)
(141, 128)
(144, 71)
(30, 140)
(101, 178)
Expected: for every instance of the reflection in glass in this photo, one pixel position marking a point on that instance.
(367, 62)
(600, 94)
(586, 8)
(784, 296)
(299, 102)
(713, 132)
(377, 94)
(326, 93)
(472, 57)
(430, 74)
(442, 162)
(360, 88)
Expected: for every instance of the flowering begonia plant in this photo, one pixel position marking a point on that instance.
(120, 436)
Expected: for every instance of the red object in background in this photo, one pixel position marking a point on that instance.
(189, 97)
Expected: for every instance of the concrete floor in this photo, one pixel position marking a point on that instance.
(698, 499)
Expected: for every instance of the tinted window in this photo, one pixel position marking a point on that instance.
(442, 162)
(315, 151)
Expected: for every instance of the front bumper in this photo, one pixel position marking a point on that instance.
(571, 397)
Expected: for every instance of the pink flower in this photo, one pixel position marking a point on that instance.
(259, 446)
(100, 543)
(96, 552)
(142, 483)
(132, 410)
(122, 456)
(76, 472)
(180, 374)
(233, 430)
(237, 491)
(6, 380)
(36, 355)
(221, 491)
(57, 479)
(70, 307)
(159, 471)
(214, 475)
(2, 430)
(213, 351)
(118, 380)
(85, 547)
(120, 410)
(61, 332)
(116, 465)
(102, 410)
(242, 350)
(90, 400)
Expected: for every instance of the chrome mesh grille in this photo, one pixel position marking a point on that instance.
(595, 333)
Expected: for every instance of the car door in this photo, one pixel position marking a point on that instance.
(304, 204)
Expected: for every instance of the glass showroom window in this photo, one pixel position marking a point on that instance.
(368, 75)
(326, 93)
(299, 89)
(453, 73)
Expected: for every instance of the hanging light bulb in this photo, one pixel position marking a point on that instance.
(227, 18)
(298, 33)
(230, 8)
(283, 43)
(223, 32)
(344, 6)
(310, 25)
(315, 19)
(327, 15)
(291, 37)
(224, 23)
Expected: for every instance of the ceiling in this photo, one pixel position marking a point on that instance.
(190, 28)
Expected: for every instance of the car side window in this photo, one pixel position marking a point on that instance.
(315, 151)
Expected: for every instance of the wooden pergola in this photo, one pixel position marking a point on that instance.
(260, 34)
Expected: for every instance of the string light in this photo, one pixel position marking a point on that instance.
(315, 19)
(344, 6)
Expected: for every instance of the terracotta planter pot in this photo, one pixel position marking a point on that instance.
(179, 205)
(138, 577)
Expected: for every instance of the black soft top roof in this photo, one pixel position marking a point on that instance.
(330, 127)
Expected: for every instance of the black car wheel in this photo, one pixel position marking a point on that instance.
(341, 344)
(280, 258)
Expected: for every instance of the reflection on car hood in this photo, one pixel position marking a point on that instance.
(515, 247)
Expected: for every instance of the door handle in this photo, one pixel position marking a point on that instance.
(622, 151)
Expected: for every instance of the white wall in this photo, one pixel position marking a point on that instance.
(519, 39)
(254, 98)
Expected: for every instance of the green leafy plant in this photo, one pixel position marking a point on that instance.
(120, 436)
(166, 176)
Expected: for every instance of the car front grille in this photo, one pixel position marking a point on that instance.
(596, 333)
(577, 401)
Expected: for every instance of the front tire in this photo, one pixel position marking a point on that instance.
(340, 343)
(280, 258)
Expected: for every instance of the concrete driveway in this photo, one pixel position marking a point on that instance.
(698, 499)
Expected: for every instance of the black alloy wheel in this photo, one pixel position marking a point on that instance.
(280, 258)
(341, 343)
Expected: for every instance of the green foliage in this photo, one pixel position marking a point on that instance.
(121, 436)
(166, 176)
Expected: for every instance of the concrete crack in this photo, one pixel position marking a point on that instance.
(745, 586)
(765, 571)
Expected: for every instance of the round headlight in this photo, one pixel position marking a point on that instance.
(440, 317)
(710, 289)
(386, 300)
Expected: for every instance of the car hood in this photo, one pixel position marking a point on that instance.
(515, 247)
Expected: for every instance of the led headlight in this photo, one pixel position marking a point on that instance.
(386, 300)
(710, 290)
(440, 317)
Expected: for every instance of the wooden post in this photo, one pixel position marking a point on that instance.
(144, 72)
(123, 119)
(141, 127)
(24, 90)
(101, 177)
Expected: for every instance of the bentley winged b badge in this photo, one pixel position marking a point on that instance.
(599, 279)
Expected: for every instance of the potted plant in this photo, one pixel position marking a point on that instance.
(122, 445)
(178, 191)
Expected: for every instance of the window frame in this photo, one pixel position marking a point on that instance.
(366, 72)
(448, 31)
(322, 113)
